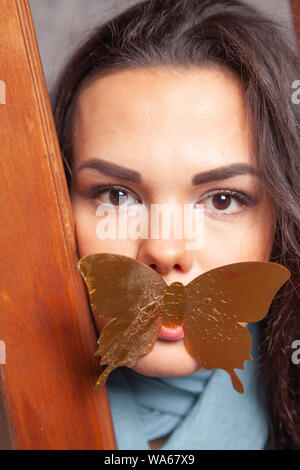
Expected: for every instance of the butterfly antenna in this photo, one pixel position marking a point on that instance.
(104, 376)
(237, 384)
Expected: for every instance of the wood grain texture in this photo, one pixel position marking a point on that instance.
(47, 384)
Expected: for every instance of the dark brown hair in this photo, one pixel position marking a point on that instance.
(185, 33)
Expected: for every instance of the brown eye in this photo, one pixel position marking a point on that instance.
(117, 196)
(221, 201)
(226, 203)
(112, 195)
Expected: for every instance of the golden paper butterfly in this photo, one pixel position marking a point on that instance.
(209, 308)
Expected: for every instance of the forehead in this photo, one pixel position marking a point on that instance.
(163, 111)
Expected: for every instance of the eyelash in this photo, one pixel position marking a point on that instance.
(241, 197)
(95, 191)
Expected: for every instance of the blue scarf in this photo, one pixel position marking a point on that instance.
(201, 410)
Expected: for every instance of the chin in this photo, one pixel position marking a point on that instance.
(167, 359)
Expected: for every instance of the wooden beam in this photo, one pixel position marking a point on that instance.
(48, 399)
(295, 7)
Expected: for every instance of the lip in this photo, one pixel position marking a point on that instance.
(171, 334)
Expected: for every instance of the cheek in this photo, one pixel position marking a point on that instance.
(256, 240)
(87, 240)
(85, 226)
(248, 238)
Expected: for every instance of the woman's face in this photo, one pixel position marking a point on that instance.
(140, 138)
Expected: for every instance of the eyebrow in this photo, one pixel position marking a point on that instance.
(103, 166)
(224, 172)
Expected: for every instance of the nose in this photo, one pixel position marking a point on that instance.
(165, 256)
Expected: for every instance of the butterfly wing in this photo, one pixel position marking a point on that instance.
(129, 292)
(217, 300)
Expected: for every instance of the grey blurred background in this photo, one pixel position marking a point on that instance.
(61, 24)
